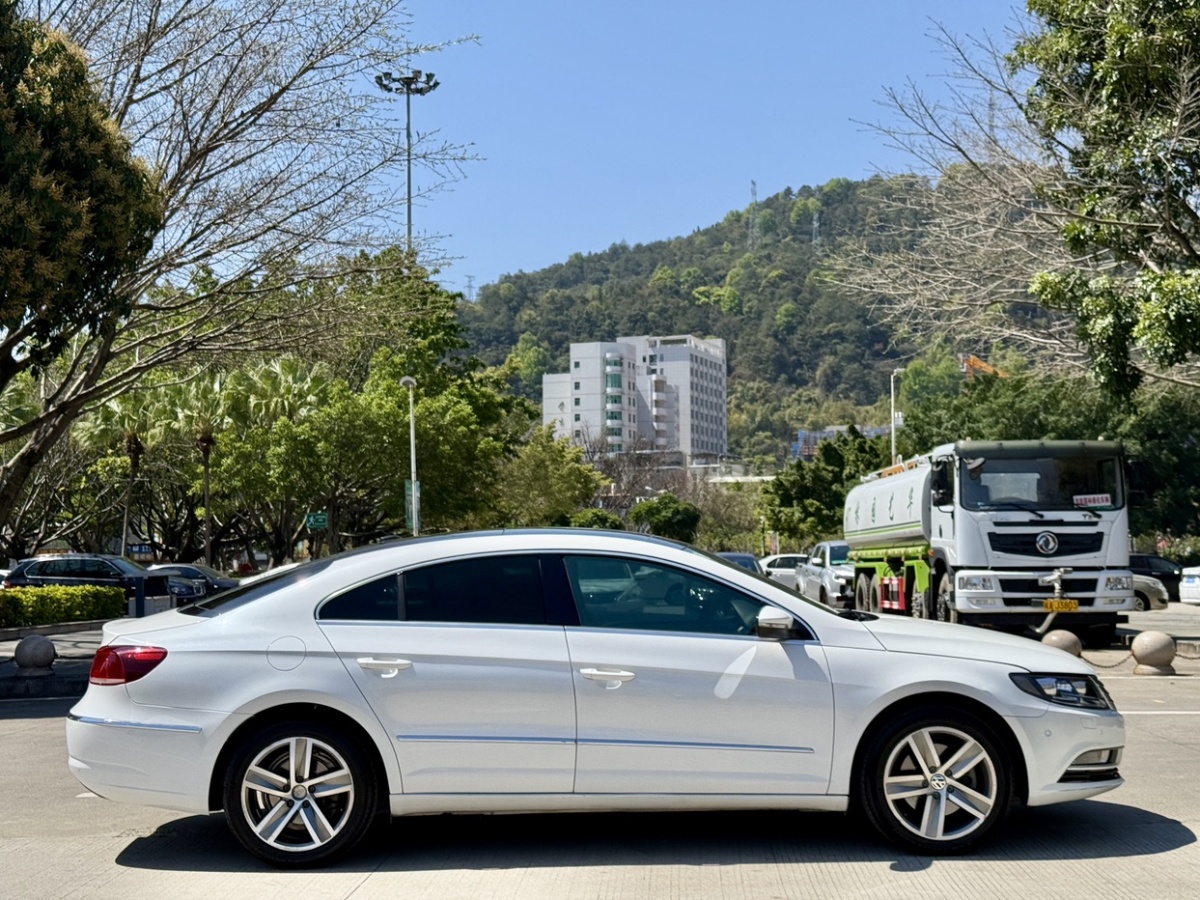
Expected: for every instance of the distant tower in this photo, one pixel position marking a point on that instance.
(752, 225)
(816, 225)
(471, 287)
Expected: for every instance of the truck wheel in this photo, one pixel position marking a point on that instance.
(935, 780)
(875, 607)
(945, 599)
(920, 604)
(862, 593)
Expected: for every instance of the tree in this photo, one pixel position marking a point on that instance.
(78, 212)
(546, 483)
(805, 501)
(1057, 212)
(667, 516)
(597, 518)
(1116, 101)
(273, 152)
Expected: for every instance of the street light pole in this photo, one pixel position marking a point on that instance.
(415, 82)
(895, 372)
(409, 382)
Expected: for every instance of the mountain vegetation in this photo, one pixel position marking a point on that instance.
(803, 351)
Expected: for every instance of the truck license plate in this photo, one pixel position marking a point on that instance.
(1060, 605)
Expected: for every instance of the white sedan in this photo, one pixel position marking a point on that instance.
(782, 567)
(527, 671)
(1189, 585)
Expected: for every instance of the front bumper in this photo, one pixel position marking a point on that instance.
(1085, 594)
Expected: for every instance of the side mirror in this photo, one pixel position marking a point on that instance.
(774, 624)
(941, 497)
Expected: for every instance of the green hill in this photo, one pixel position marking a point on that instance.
(754, 279)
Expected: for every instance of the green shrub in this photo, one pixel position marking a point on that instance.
(54, 604)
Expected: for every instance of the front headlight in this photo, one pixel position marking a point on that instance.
(1079, 691)
(1118, 583)
(976, 583)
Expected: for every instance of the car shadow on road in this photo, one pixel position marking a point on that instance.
(440, 843)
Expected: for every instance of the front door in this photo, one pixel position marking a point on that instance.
(676, 694)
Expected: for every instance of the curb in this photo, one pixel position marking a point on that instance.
(15, 634)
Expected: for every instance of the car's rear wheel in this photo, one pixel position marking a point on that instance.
(298, 793)
(1141, 602)
(935, 781)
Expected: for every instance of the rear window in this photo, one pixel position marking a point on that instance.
(254, 589)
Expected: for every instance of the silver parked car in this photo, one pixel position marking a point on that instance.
(552, 670)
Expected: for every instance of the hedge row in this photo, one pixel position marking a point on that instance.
(54, 604)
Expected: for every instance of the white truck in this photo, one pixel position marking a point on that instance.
(1011, 534)
(827, 576)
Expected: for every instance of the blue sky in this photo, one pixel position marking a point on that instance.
(642, 120)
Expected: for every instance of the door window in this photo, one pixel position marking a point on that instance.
(487, 589)
(375, 601)
(617, 593)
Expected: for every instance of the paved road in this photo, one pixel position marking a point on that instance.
(57, 841)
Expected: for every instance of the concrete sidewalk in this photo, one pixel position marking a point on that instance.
(76, 644)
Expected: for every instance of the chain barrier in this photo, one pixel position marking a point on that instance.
(1124, 659)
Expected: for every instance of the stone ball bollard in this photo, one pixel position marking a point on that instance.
(1153, 652)
(1064, 640)
(35, 656)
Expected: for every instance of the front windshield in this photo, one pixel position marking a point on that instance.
(839, 554)
(1042, 483)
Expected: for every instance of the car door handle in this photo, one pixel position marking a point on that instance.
(612, 680)
(387, 668)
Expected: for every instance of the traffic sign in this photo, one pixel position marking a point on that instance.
(318, 521)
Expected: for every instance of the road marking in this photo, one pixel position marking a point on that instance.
(1160, 712)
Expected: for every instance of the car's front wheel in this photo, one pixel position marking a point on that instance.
(935, 781)
(298, 793)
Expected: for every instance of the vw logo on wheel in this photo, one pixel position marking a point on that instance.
(1046, 543)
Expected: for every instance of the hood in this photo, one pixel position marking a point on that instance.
(903, 635)
(843, 570)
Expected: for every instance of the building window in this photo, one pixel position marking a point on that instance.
(612, 381)
(577, 401)
(576, 417)
(613, 415)
(576, 366)
(613, 432)
(577, 385)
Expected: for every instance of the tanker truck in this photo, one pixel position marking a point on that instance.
(1010, 534)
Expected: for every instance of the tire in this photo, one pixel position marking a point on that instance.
(862, 593)
(919, 605)
(945, 599)
(876, 607)
(914, 790)
(1140, 602)
(278, 817)
(824, 598)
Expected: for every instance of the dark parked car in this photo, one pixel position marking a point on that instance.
(159, 590)
(1165, 570)
(209, 578)
(745, 560)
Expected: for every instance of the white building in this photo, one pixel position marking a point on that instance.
(642, 393)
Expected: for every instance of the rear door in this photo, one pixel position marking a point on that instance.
(461, 664)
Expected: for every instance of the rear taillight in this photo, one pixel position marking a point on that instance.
(121, 665)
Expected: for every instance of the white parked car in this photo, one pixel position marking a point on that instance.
(782, 567)
(552, 670)
(1149, 593)
(1189, 585)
